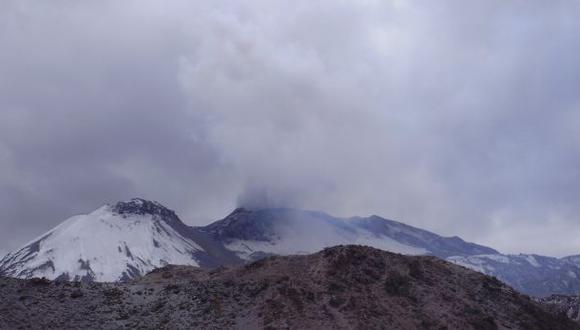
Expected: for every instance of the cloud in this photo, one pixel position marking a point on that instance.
(459, 118)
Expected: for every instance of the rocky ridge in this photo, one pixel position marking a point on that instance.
(343, 287)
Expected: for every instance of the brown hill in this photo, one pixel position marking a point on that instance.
(340, 287)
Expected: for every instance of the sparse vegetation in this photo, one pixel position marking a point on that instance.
(340, 287)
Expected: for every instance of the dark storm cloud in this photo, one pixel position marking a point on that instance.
(459, 118)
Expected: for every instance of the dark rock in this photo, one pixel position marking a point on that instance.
(138, 206)
(76, 294)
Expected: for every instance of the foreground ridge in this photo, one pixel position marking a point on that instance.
(339, 287)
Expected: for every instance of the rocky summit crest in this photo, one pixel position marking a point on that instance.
(140, 206)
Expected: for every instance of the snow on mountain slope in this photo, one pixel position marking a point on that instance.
(110, 244)
(531, 274)
(129, 239)
(252, 234)
(436, 245)
(300, 243)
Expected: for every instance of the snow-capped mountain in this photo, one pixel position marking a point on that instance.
(113, 243)
(128, 239)
(252, 234)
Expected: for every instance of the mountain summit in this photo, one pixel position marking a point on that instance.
(252, 234)
(128, 239)
(142, 207)
(113, 243)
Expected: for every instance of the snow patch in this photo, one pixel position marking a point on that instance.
(293, 241)
(532, 260)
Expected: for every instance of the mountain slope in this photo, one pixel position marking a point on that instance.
(128, 239)
(112, 243)
(251, 234)
(345, 287)
(562, 304)
(532, 274)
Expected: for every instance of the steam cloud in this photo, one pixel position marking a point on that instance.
(457, 117)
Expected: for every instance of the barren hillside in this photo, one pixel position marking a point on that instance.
(340, 287)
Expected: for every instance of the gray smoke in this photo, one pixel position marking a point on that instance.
(458, 117)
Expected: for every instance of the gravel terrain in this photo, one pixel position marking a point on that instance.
(562, 304)
(344, 287)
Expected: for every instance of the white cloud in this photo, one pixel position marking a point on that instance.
(438, 114)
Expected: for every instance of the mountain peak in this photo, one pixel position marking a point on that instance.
(140, 206)
(113, 243)
(238, 211)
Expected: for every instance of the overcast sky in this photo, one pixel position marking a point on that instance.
(460, 117)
